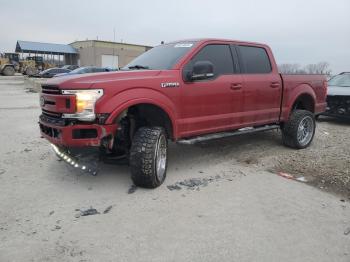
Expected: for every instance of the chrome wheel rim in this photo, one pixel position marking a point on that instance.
(305, 130)
(161, 157)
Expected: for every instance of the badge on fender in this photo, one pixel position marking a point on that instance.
(171, 84)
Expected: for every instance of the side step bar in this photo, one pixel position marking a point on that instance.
(246, 130)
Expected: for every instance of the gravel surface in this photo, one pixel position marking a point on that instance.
(325, 164)
(228, 203)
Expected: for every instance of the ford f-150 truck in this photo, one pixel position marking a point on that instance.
(186, 91)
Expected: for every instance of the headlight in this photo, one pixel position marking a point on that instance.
(85, 103)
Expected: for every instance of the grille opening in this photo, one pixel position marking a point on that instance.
(51, 114)
(84, 133)
(50, 89)
(52, 132)
(53, 120)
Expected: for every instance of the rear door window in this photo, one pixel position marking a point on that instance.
(254, 60)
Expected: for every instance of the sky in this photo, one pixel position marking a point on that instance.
(302, 32)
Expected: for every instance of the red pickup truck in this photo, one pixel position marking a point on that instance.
(186, 91)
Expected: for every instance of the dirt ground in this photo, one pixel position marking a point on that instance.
(222, 200)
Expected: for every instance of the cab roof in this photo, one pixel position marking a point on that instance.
(204, 40)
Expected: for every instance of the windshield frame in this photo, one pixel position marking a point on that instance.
(136, 66)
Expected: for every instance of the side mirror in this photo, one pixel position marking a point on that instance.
(202, 70)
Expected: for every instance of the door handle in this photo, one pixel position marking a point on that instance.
(275, 84)
(236, 86)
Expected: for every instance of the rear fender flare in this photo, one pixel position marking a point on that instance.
(303, 89)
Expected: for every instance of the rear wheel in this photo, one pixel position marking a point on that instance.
(8, 71)
(148, 157)
(299, 131)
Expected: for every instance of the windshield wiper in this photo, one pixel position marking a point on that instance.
(138, 67)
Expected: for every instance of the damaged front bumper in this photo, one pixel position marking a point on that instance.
(76, 135)
(80, 162)
(78, 144)
(338, 106)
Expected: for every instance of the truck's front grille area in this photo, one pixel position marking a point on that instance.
(50, 89)
(338, 105)
(50, 131)
(51, 114)
(53, 120)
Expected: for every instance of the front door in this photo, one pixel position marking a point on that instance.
(210, 105)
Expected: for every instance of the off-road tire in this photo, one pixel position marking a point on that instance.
(8, 71)
(290, 129)
(143, 153)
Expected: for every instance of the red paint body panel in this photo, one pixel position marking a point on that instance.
(58, 103)
(194, 108)
(65, 134)
(296, 85)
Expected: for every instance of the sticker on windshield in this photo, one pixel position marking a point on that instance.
(183, 45)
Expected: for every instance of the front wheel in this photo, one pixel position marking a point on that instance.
(299, 131)
(8, 71)
(148, 157)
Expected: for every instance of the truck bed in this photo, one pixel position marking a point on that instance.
(314, 85)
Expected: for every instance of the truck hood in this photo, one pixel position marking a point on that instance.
(89, 80)
(338, 91)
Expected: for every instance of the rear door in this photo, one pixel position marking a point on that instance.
(262, 86)
(209, 105)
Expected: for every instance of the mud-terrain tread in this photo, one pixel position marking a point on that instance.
(290, 128)
(142, 157)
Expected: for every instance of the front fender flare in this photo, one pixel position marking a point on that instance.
(128, 98)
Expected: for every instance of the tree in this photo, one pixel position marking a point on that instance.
(319, 68)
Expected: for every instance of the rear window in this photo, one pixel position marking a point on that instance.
(255, 60)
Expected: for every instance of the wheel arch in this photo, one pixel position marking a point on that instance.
(304, 101)
(302, 97)
(165, 109)
(7, 65)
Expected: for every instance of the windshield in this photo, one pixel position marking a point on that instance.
(47, 70)
(80, 70)
(161, 57)
(340, 80)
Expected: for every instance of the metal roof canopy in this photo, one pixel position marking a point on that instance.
(44, 48)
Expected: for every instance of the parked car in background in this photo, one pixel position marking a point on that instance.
(86, 70)
(70, 67)
(51, 72)
(338, 96)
